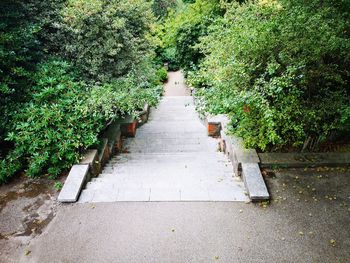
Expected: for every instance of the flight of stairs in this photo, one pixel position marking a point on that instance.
(170, 159)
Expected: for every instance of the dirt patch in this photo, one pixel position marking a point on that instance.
(27, 206)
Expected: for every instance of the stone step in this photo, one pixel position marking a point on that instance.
(160, 146)
(166, 170)
(188, 164)
(214, 165)
(165, 135)
(162, 194)
(170, 141)
(171, 149)
(103, 183)
(174, 127)
(170, 144)
(184, 157)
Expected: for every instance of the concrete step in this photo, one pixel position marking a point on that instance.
(165, 170)
(102, 183)
(171, 141)
(184, 157)
(165, 135)
(159, 148)
(186, 164)
(171, 145)
(215, 165)
(155, 194)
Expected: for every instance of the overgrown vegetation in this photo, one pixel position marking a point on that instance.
(278, 68)
(67, 69)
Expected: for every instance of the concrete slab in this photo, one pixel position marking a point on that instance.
(165, 194)
(134, 194)
(105, 195)
(227, 194)
(254, 182)
(86, 196)
(74, 183)
(195, 194)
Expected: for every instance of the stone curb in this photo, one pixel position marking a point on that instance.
(304, 160)
(94, 160)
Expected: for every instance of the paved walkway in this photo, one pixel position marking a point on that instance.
(176, 86)
(170, 159)
(293, 228)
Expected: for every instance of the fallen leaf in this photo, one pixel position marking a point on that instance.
(27, 252)
(333, 242)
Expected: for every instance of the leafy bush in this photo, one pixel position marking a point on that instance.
(27, 33)
(161, 7)
(53, 127)
(65, 116)
(18, 55)
(67, 69)
(107, 38)
(162, 74)
(280, 70)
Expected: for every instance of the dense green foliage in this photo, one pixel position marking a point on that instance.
(162, 7)
(278, 68)
(107, 38)
(67, 69)
(183, 29)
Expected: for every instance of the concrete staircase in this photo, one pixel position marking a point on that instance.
(170, 159)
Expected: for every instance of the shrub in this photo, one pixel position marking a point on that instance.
(67, 69)
(183, 29)
(107, 38)
(162, 74)
(52, 128)
(65, 116)
(280, 70)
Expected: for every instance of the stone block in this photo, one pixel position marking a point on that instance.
(238, 154)
(144, 115)
(113, 134)
(129, 129)
(91, 158)
(215, 124)
(254, 182)
(74, 183)
(103, 152)
(214, 129)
